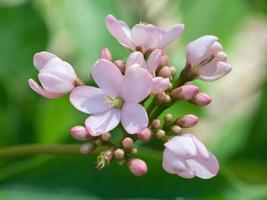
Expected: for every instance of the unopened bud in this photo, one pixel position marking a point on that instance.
(160, 134)
(137, 166)
(167, 99)
(185, 92)
(144, 134)
(168, 118)
(156, 123)
(165, 72)
(119, 154)
(173, 70)
(161, 97)
(106, 54)
(87, 148)
(105, 137)
(176, 129)
(80, 133)
(201, 99)
(164, 60)
(187, 121)
(127, 143)
(121, 65)
(134, 151)
(108, 154)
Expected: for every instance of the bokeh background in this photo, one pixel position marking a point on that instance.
(234, 126)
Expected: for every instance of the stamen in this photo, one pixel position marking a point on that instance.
(115, 102)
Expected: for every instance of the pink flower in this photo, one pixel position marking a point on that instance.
(117, 98)
(159, 84)
(142, 36)
(206, 54)
(56, 76)
(137, 166)
(186, 156)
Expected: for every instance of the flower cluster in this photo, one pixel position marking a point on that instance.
(131, 94)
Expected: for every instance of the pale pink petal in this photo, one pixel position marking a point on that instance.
(182, 146)
(202, 150)
(41, 59)
(136, 85)
(107, 76)
(160, 85)
(136, 58)
(172, 163)
(88, 99)
(55, 84)
(221, 69)
(119, 30)
(170, 36)
(133, 117)
(188, 173)
(37, 88)
(153, 61)
(198, 48)
(103, 122)
(204, 168)
(146, 36)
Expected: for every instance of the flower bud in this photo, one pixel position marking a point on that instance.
(127, 143)
(144, 134)
(134, 151)
(168, 118)
(187, 121)
(56, 76)
(173, 70)
(167, 99)
(185, 92)
(176, 129)
(156, 123)
(121, 65)
(201, 99)
(119, 154)
(106, 136)
(165, 72)
(137, 166)
(108, 154)
(106, 54)
(87, 148)
(80, 133)
(161, 97)
(160, 134)
(164, 60)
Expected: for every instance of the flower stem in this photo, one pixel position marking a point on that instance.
(32, 149)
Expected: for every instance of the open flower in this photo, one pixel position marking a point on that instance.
(206, 56)
(117, 98)
(159, 84)
(56, 76)
(142, 36)
(186, 156)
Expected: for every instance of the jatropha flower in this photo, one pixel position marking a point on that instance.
(134, 92)
(205, 55)
(142, 36)
(186, 156)
(160, 84)
(56, 76)
(117, 98)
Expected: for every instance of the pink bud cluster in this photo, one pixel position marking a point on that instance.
(131, 94)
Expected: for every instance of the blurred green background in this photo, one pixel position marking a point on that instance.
(234, 126)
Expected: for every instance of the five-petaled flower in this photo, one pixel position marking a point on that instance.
(186, 156)
(142, 37)
(117, 98)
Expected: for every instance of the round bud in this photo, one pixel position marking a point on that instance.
(187, 121)
(80, 133)
(176, 129)
(127, 143)
(119, 154)
(167, 99)
(164, 60)
(106, 54)
(201, 99)
(108, 155)
(185, 92)
(137, 166)
(160, 134)
(156, 123)
(121, 65)
(165, 72)
(161, 97)
(168, 118)
(87, 148)
(173, 70)
(106, 136)
(144, 134)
